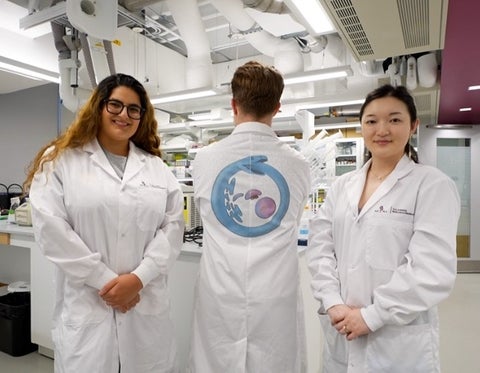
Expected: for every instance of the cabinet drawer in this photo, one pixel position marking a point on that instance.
(4, 238)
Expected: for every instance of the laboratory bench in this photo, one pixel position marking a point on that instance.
(21, 260)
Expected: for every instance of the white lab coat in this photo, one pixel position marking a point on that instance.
(395, 259)
(248, 315)
(94, 226)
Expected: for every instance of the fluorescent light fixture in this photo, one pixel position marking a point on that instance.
(315, 75)
(314, 14)
(288, 139)
(335, 126)
(465, 109)
(215, 113)
(473, 87)
(27, 71)
(200, 116)
(285, 114)
(448, 126)
(183, 95)
(171, 127)
(213, 124)
(330, 104)
(13, 13)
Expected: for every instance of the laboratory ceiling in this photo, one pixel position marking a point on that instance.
(457, 62)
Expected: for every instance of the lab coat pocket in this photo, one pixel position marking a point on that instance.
(335, 343)
(154, 297)
(387, 243)
(400, 349)
(83, 306)
(151, 203)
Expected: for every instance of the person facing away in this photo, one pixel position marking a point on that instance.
(382, 249)
(108, 213)
(251, 191)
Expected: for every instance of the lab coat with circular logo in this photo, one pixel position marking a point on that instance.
(251, 190)
(395, 259)
(94, 226)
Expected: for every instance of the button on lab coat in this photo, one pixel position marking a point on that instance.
(248, 315)
(395, 259)
(94, 226)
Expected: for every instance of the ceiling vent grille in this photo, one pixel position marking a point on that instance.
(423, 102)
(378, 29)
(414, 16)
(350, 21)
(426, 102)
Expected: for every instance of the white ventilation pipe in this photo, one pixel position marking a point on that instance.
(285, 52)
(71, 95)
(73, 98)
(136, 5)
(371, 68)
(199, 70)
(270, 6)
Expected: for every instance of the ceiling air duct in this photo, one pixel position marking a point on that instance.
(413, 26)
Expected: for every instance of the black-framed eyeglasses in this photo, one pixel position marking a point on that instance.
(116, 107)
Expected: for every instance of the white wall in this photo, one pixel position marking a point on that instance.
(28, 121)
(14, 264)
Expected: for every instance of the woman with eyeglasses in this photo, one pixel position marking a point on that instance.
(108, 213)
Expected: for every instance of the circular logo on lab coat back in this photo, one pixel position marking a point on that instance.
(250, 197)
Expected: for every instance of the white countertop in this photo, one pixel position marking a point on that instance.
(187, 248)
(6, 227)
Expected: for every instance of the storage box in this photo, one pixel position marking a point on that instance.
(15, 324)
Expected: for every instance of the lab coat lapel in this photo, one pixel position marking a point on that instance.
(354, 188)
(135, 162)
(97, 155)
(404, 167)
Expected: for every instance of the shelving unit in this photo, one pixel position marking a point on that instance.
(348, 155)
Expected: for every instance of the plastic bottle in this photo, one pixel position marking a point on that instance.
(411, 82)
(303, 227)
(14, 203)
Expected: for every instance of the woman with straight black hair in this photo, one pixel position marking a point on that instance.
(382, 249)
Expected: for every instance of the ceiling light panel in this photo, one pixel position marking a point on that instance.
(183, 95)
(11, 23)
(313, 14)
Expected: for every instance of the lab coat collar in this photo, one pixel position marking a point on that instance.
(258, 127)
(357, 182)
(135, 161)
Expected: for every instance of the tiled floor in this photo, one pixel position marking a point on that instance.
(460, 327)
(459, 346)
(31, 363)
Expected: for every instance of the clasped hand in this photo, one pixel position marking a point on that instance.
(348, 321)
(122, 293)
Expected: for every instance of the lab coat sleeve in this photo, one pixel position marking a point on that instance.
(165, 247)
(55, 236)
(320, 255)
(428, 274)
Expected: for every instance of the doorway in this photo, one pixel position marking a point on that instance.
(456, 151)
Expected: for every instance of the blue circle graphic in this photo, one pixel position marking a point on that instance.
(229, 214)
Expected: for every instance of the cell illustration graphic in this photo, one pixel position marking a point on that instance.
(240, 200)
